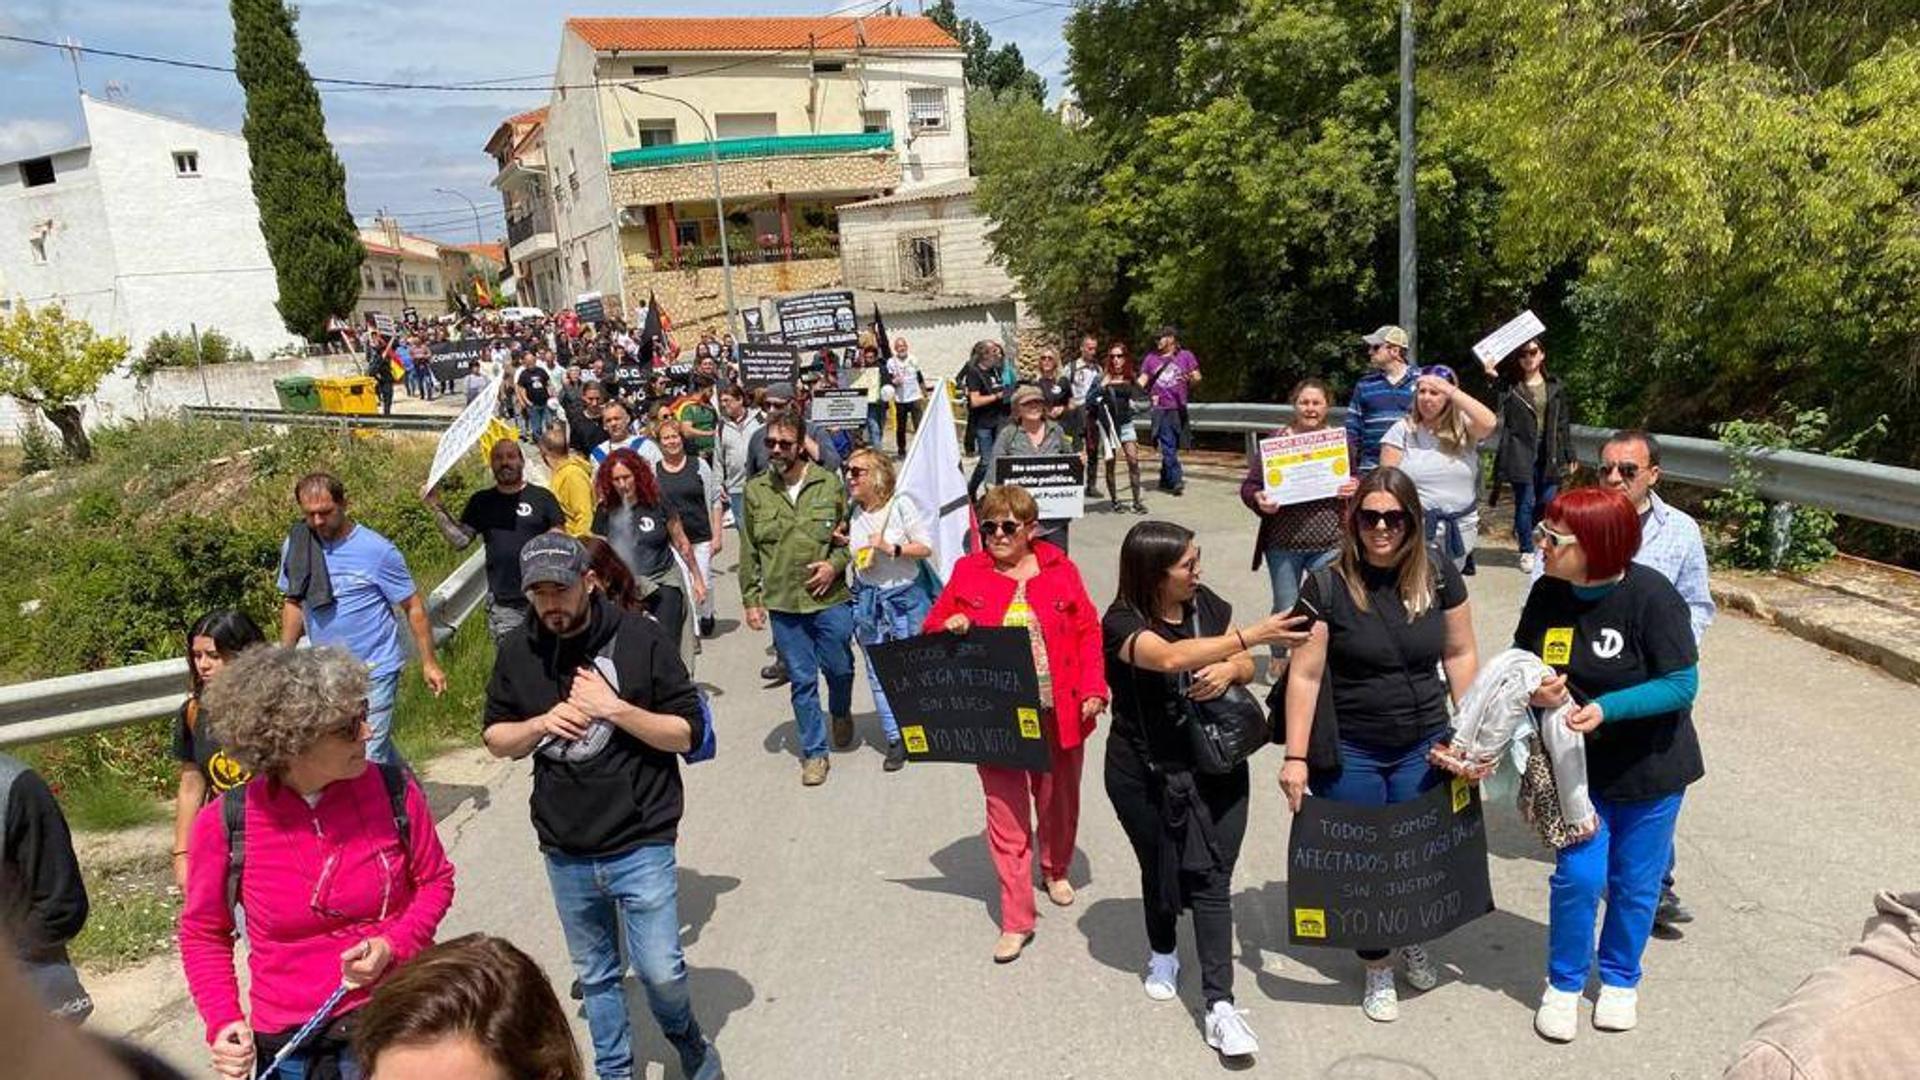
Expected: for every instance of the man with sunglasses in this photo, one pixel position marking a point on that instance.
(1381, 397)
(793, 575)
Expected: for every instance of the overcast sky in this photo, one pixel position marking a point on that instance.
(398, 146)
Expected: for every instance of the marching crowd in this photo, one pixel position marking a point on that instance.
(299, 831)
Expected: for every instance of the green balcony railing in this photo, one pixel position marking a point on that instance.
(648, 157)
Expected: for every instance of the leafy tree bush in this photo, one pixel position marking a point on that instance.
(169, 349)
(1758, 535)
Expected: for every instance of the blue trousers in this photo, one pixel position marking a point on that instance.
(1624, 860)
(1166, 435)
(1377, 776)
(381, 690)
(1529, 502)
(811, 645)
(882, 615)
(1286, 569)
(635, 896)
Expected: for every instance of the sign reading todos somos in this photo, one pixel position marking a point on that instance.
(465, 430)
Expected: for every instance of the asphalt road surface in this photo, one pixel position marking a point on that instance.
(846, 931)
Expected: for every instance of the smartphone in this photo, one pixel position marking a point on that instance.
(1302, 606)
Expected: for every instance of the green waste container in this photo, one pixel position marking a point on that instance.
(298, 393)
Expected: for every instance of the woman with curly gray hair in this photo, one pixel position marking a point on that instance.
(343, 876)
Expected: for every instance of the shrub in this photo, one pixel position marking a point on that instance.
(1757, 535)
(169, 349)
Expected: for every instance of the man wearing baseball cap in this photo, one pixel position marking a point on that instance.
(599, 697)
(1382, 396)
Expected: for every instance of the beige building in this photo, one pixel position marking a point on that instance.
(400, 272)
(803, 114)
(519, 151)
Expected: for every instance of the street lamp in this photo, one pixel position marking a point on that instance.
(477, 238)
(719, 208)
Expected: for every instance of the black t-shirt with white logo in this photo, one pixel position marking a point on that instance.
(1635, 632)
(505, 523)
(534, 381)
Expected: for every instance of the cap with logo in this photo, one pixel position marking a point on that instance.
(552, 559)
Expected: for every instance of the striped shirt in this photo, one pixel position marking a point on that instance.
(1374, 408)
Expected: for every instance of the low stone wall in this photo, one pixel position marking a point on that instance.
(757, 177)
(697, 299)
(121, 398)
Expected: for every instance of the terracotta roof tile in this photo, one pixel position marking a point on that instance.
(530, 116)
(761, 35)
(496, 252)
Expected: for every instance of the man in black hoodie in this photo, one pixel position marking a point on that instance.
(43, 902)
(600, 698)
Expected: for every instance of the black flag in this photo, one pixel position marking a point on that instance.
(649, 330)
(880, 332)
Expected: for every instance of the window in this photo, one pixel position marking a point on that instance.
(920, 261)
(186, 163)
(366, 277)
(38, 245)
(37, 172)
(829, 67)
(586, 271)
(687, 233)
(873, 121)
(650, 70)
(656, 133)
(387, 282)
(926, 109)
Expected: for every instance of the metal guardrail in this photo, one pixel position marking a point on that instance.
(99, 700)
(235, 414)
(1887, 494)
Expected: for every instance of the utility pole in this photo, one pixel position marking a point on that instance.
(1409, 257)
(199, 365)
(719, 204)
(477, 238)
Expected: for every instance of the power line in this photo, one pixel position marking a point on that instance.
(485, 211)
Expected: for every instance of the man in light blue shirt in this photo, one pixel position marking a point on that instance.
(347, 600)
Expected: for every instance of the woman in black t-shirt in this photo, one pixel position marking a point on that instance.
(1166, 636)
(1391, 614)
(206, 772)
(1622, 640)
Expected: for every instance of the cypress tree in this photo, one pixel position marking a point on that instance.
(298, 181)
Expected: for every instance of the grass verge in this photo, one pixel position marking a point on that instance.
(133, 907)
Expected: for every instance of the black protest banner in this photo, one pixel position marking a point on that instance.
(1379, 877)
(591, 308)
(820, 320)
(451, 358)
(838, 410)
(1057, 482)
(764, 363)
(756, 326)
(971, 698)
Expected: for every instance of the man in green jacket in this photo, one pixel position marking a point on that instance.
(793, 574)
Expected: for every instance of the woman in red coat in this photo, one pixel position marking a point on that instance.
(1017, 581)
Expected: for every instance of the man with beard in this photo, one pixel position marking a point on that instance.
(504, 516)
(600, 698)
(584, 429)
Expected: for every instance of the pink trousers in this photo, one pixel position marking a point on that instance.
(1015, 800)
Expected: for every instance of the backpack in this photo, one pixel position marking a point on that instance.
(233, 812)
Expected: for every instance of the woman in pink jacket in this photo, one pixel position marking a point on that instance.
(1019, 581)
(335, 866)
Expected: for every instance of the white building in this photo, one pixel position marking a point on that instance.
(804, 114)
(147, 226)
(519, 151)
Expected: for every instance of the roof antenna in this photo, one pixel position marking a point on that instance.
(72, 49)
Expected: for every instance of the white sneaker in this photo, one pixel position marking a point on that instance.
(1526, 563)
(1616, 1009)
(1420, 973)
(1381, 1003)
(1227, 1031)
(1558, 1017)
(1163, 974)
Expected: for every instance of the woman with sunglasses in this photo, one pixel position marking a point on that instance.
(1536, 438)
(889, 540)
(1018, 581)
(343, 877)
(1438, 446)
(1621, 637)
(1166, 638)
(1110, 422)
(1390, 614)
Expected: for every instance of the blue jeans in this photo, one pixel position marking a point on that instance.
(814, 644)
(1166, 435)
(737, 502)
(983, 438)
(887, 615)
(635, 897)
(1286, 569)
(876, 423)
(1624, 860)
(381, 690)
(1376, 776)
(1529, 502)
(536, 419)
(297, 1066)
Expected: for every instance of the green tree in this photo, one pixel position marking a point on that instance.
(51, 361)
(997, 71)
(298, 181)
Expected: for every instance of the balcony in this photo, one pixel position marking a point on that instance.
(850, 164)
(700, 256)
(530, 235)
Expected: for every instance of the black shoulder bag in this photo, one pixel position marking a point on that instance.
(1225, 731)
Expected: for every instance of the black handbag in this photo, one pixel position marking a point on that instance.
(1225, 731)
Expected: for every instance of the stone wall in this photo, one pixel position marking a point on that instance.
(758, 177)
(697, 299)
(122, 399)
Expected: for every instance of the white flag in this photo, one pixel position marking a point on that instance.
(933, 479)
(465, 430)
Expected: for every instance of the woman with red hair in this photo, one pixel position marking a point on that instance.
(646, 533)
(1620, 637)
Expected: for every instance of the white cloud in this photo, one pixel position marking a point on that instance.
(24, 138)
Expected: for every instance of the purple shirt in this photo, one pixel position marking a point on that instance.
(1166, 382)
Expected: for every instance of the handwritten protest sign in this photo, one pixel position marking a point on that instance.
(838, 409)
(1302, 468)
(1057, 482)
(971, 698)
(465, 430)
(1379, 877)
(1495, 346)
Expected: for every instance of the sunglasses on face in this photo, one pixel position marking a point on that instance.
(1002, 528)
(855, 472)
(1393, 520)
(1627, 469)
(1544, 535)
(781, 444)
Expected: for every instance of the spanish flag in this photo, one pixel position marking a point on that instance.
(480, 292)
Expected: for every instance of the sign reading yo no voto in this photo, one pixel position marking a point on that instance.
(971, 698)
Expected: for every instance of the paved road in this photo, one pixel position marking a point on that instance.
(845, 931)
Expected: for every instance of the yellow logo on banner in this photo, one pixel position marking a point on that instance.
(1029, 723)
(1558, 647)
(1462, 794)
(864, 558)
(915, 737)
(1275, 475)
(1340, 466)
(1309, 922)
